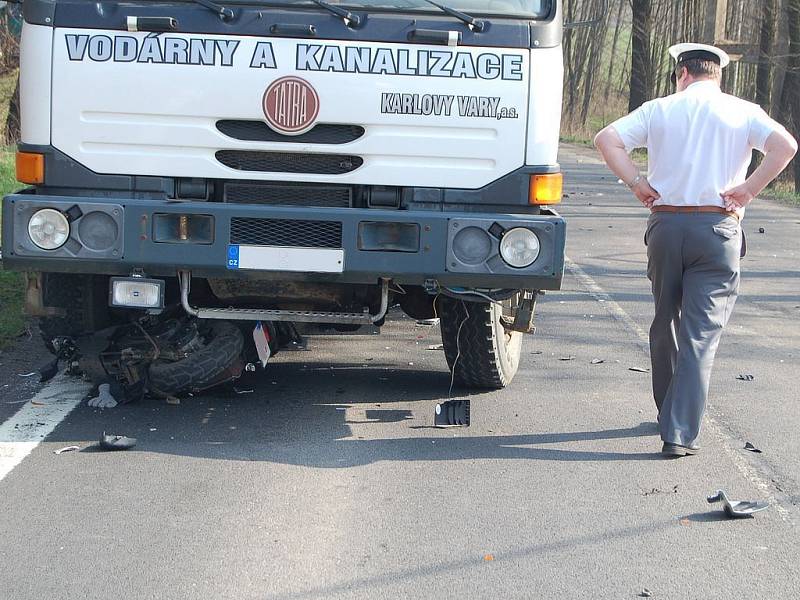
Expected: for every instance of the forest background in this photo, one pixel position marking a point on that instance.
(616, 59)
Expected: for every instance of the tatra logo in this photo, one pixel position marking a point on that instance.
(291, 105)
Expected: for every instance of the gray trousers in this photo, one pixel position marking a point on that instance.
(693, 265)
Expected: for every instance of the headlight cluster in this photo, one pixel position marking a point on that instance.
(48, 229)
(519, 247)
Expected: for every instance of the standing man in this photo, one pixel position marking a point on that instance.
(699, 143)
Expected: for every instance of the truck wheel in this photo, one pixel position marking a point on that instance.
(201, 369)
(84, 300)
(489, 355)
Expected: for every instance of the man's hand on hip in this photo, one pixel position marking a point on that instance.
(645, 193)
(737, 197)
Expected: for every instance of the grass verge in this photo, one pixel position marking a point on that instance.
(12, 286)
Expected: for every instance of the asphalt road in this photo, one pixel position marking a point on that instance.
(328, 481)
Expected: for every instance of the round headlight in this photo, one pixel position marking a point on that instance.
(48, 229)
(519, 247)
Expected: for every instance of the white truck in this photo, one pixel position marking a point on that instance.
(196, 168)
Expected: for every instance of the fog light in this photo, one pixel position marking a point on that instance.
(48, 229)
(519, 247)
(136, 292)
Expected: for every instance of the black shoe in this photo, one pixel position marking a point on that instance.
(676, 450)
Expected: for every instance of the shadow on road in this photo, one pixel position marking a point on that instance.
(324, 421)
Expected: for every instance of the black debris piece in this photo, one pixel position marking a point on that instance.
(638, 370)
(746, 377)
(645, 593)
(751, 448)
(761, 230)
(116, 442)
(452, 413)
(48, 370)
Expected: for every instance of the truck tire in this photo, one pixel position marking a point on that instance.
(489, 354)
(84, 300)
(223, 347)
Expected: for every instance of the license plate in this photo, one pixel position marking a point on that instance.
(280, 258)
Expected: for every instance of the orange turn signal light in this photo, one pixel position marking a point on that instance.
(546, 189)
(30, 167)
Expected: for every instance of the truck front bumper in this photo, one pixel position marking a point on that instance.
(120, 236)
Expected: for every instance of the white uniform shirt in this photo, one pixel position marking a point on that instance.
(699, 142)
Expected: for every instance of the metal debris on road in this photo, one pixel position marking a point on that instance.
(566, 358)
(66, 449)
(436, 347)
(638, 370)
(645, 593)
(745, 377)
(116, 442)
(751, 448)
(242, 391)
(26, 374)
(737, 509)
(597, 361)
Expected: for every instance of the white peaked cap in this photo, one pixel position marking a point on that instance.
(678, 50)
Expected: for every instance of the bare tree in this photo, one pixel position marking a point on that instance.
(641, 67)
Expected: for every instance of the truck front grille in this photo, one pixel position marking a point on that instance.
(259, 131)
(289, 162)
(287, 194)
(286, 232)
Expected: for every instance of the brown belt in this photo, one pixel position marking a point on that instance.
(694, 209)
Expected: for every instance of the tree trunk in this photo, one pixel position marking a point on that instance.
(764, 70)
(12, 120)
(793, 79)
(641, 71)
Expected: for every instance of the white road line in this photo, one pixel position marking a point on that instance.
(726, 441)
(26, 429)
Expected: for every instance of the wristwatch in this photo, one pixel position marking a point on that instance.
(636, 180)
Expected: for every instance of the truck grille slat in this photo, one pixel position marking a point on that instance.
(284, 194)
(286, 232)
(259, 131)
(289, 162)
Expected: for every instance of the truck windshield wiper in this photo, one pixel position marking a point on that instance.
(473, 23)
(226, 14)
(349, 18)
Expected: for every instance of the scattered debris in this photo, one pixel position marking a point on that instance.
(66, 449)
(116, 442)
(27, 374)
(655, 490)
(540, 352)
(104, 399)
(566, 358)
(452, 413)
(173, 400)
(746, 377)
(761, 230)
(638, 370)
(597, 361)
(737, 509)
(645, 593)
(436, 347)
(751, 448)
(242, 391)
